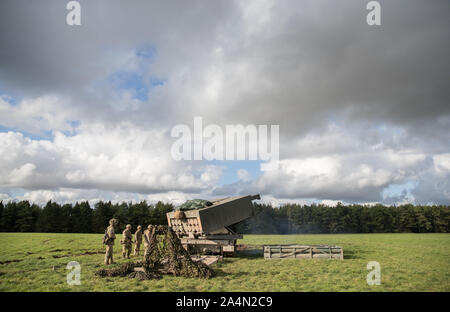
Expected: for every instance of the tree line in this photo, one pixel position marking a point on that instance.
(80, 217)
(317, 218)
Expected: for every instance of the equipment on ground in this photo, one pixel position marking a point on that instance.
(303, 252)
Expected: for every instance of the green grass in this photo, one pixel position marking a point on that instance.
(409, 262)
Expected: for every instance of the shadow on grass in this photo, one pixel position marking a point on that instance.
(221, 273)
(250, 254)
(353, 254)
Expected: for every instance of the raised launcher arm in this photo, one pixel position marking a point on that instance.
(207, 229)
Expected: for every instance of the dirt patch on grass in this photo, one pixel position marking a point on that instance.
(86, 253)
(247, 247)
(10, 261)
(91, 253)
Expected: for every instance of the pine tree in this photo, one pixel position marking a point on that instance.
(9, 217)
(24, 221)
(1, 213)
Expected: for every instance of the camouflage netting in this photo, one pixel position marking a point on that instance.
(165, 255)
(144, 275)
(124, 270)
(170, 255)
(194, 204)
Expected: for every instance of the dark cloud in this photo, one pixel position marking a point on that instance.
(307, 61)
(40, 53)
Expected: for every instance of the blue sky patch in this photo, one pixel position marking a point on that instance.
(9, 99)
(398, 189)
(131, 81)
(229, 173)
(146, 52)
(135, 82)
(44, 135)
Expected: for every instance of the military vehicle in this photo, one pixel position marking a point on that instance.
(208, 229)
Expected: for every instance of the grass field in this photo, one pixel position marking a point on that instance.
(409, 262)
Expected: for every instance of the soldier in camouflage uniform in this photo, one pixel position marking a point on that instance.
(108, 240)
(147, 233)
(137, 240)
(127, 241)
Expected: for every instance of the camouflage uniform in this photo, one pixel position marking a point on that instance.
(147, 233)
(127, 240)
(137, 240)
(108, 240)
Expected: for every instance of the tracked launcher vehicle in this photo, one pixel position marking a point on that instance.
(208, 229)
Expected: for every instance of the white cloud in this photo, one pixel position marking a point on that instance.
(37, 115)
(277, 201)
(342, 164)
(335, 178)
(122, 158)
(442, 163)
(243, 175)
(70, 195)
(22, 174)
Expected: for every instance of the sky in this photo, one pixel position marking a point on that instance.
(86, 111)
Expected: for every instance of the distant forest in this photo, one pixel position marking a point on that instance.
(289, 219)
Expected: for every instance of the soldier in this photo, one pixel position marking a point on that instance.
(108, 240)
(147, 234)
(137, 240)
(127, 240)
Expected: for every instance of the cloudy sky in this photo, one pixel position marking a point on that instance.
(86, 111)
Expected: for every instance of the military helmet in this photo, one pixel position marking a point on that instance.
(128, 226)
(139, 227)
(113, 221)
(149, 227)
